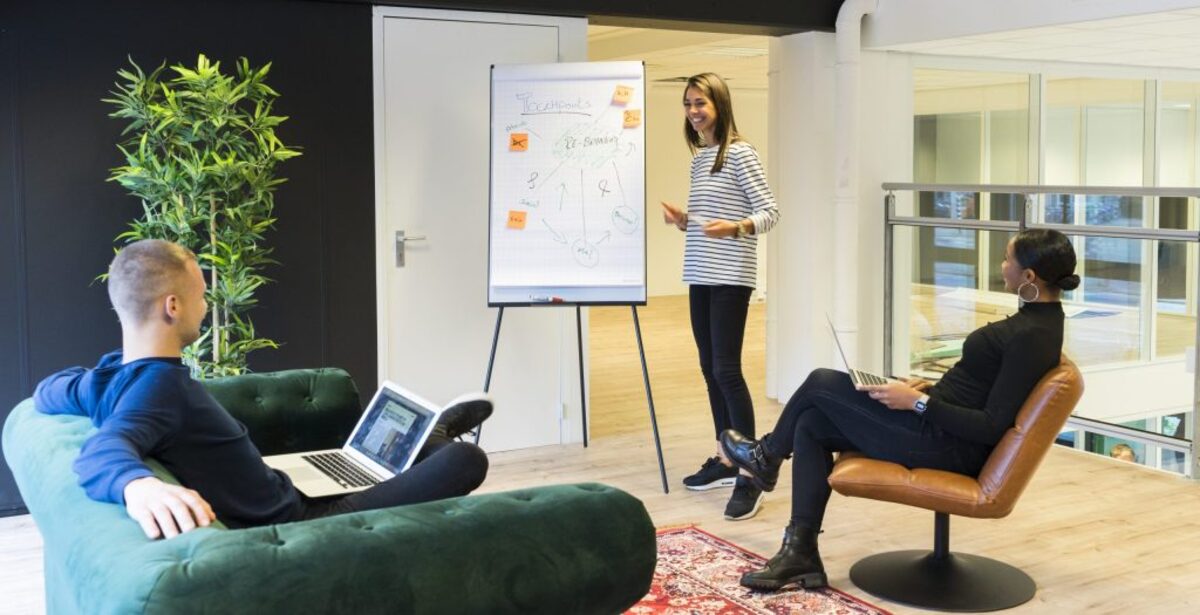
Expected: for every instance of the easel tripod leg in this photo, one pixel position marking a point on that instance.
(662, 468)
(487, 377)
(582, 390)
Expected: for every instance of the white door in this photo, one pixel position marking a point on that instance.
(432, 97)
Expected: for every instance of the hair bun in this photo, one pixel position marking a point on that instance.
(1068, 282)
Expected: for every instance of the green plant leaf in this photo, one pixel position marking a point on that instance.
(197, 139)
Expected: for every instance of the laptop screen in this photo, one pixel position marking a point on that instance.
(837, 341)
(392, 429)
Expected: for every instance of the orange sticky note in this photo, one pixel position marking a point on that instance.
(516, 219)
(622, 94)
(518, 142)
(633, 118)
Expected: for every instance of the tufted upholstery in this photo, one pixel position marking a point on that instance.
(585, 548)
(1005, 475)
(293, 410)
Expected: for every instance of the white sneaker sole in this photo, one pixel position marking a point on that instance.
(717, 484)
(753, 511)
(474, 396)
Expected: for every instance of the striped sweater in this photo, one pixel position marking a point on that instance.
(739, 190)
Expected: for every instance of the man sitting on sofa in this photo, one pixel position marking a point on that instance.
(145, 404)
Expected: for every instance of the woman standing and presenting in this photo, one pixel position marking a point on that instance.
(729, 206)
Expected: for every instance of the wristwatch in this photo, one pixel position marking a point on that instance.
(921, 404)
(741, 230)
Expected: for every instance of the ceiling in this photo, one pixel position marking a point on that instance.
(1169, 39)
(671, 54)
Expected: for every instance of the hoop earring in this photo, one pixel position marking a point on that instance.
(1037, 292)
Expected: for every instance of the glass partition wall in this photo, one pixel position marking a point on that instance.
(989, 150)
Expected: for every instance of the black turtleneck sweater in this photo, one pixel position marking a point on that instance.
(978, 399)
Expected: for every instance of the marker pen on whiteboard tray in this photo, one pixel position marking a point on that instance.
(545, 299)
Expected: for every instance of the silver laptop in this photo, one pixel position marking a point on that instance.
(858, 377)
(385, 442)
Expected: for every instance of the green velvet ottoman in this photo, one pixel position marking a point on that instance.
(585, 548)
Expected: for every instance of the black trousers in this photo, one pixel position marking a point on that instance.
(443, 469)
(827, 415)
(719, 326)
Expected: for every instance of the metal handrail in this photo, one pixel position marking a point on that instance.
(1170, 443)
(1120, 232)
(1042, 189)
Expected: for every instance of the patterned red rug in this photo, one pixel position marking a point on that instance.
(698, 574)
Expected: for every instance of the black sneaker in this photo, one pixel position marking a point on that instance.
(745, 501)
(463, 415)
(712, 475)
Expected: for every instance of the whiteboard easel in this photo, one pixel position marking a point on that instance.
(567, 198)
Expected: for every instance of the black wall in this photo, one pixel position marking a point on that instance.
(58, 216)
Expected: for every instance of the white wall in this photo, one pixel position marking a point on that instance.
(897, 22)
(801, 163)
(667, 178)
(803, 249)
(887, 156)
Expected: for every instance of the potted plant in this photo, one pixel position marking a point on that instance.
(201, 153)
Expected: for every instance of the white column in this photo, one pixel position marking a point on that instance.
(801, 167)
(803, 250)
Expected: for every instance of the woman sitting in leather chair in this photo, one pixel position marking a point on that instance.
(952, 425)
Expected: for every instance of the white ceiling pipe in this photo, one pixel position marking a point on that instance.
(845, 150)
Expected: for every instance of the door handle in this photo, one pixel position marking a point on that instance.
(401, 240)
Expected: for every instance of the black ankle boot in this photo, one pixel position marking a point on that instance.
(797, 562)
(750, 456)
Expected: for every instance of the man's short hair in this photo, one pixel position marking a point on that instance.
(142, 273)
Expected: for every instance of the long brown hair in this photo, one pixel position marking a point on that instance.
(713, 87)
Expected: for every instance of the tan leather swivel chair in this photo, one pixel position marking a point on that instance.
(940, 579)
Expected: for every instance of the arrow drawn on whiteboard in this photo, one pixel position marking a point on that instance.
(557, 236)
(546, 179)
(562, 195)
(604, 238)
(628, 153)
(530, 131)
(617, 172)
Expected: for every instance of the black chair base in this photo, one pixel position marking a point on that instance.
(952, 582)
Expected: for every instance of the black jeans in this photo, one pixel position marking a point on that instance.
(827, 415)
(719, 326)
(443, 469)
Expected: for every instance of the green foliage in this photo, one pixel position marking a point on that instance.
(200, 152)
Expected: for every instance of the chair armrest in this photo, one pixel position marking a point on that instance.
(292, 410)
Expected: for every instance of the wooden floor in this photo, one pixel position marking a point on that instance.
(1097, 535)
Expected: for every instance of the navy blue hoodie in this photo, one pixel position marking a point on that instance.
(153, 408)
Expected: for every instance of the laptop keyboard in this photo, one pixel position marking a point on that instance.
(867, 378)
(340, 469)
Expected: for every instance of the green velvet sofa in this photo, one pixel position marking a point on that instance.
(585, 548)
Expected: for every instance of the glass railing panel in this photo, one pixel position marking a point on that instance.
(1175, 264)
(938, 299)
(1131, 325)
(1132, 449)
(1175, 299)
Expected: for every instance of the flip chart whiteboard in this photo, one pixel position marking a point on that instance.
(567, 205)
